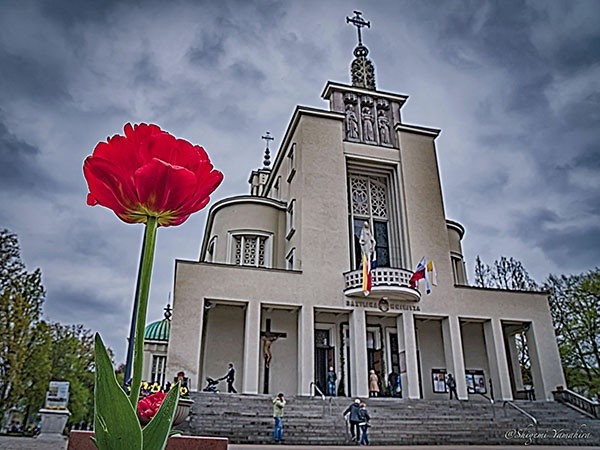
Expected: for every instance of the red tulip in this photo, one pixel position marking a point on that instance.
(148, 406)
(149, 172)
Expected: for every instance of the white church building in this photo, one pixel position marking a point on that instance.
(277, 288)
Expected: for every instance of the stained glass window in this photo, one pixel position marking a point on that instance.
(369, 203)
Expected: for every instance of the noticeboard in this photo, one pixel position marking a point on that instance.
(57, 396)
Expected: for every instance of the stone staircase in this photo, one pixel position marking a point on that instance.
(247, 419)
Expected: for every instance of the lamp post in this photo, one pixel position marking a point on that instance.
(131, 340)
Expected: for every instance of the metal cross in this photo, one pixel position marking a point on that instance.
(268, 138)
(168, 310)
(358, 22)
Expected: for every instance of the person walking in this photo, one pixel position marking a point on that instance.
(364, 424)
(278, 405)
(451, 383)
(354, 419)
(230, 377)
(331, 379)
(373, 384)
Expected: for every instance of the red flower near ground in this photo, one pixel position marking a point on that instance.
(148, 406)
(149, 172)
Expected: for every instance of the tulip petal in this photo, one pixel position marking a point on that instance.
(177, 152)
(205, 186)
(108, 189)
(163, 188)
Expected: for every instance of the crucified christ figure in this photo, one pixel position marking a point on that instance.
(267, 341)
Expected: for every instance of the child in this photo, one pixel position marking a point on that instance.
(364, 425)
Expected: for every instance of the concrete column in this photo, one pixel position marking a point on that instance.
(546, 368)
(402, 352)
(496, 353)
(306, 349)
(251, 348)
(412, 363)
(453, 352)
(187, 357)
(358, 353)
(513, 354)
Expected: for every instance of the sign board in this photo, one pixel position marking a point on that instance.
(475, 381)
(57, 396)
(438, 379)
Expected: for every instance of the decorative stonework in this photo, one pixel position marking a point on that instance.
(368, 196)
(362, 70)
(351, 123)
(368, 119)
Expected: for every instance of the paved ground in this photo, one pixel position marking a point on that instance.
(16, 443)
(22, 443)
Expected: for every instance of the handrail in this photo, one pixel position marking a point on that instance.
(314, 386)
(522, 411)
(491, 401)
(578, 401)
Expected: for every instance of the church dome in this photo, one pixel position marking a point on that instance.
(158, 331)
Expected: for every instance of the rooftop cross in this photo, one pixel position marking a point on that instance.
(267, 137)
(358, 22)
(168, 311)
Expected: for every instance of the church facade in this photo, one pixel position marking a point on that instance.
(278, 289)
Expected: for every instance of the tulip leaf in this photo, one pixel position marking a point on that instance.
(157, 431)
(115, 421)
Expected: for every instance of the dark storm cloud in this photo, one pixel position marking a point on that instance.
(69, 13)
(20, 169)
(146, 72)
(207, 48)
(584, 113)
(84, 232)
(590, 159)
(578, 246)
(24, 75)
(573, 55)
(86, 306)
(87, 302)
(245, 71)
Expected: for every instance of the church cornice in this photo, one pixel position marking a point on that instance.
(456, 226)
(433, 132)
(332, 86)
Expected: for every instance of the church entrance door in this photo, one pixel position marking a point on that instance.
(375, 354)
(324, 357)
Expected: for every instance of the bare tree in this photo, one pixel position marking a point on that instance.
(506, 273)
(483, 274)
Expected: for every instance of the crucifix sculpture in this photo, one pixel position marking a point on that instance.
(268, 337)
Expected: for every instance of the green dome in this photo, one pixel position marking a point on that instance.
(158, 331)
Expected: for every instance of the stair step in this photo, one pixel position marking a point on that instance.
(246, 419)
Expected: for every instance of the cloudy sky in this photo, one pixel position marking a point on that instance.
(514, 86)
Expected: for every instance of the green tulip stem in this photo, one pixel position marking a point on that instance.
(140, 324)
